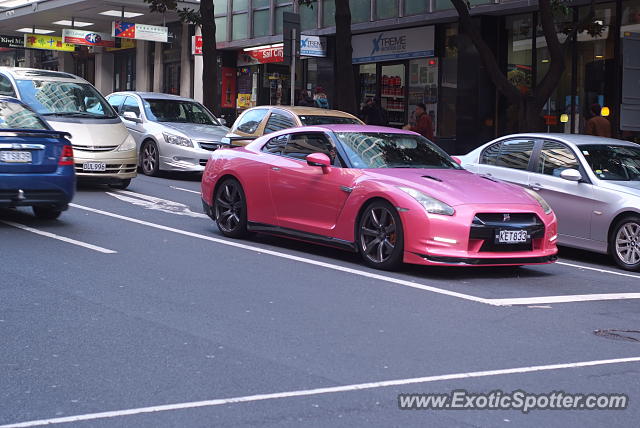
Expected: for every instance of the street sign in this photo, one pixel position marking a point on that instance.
(11, 41)
(313, 46)
(52, 43)
(130, 30)
(87, 38)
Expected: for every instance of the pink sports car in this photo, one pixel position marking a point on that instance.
(392, 196)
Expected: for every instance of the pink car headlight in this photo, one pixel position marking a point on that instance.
(431, 205)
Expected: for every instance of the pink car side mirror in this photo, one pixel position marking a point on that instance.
(457, 159)
(318, 159)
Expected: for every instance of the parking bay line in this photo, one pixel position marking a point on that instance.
(185, 190)
(612, 272)
(315, 392)
(493, 302)
(59, 238)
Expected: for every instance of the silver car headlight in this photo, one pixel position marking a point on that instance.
(430, 205)
(177, 140)
(545, 206)
(128, 144)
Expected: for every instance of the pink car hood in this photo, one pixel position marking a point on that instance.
(453, 187)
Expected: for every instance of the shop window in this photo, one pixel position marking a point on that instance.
(446, 4)
(360, 10)
(221, 29)
(449, 82)
(415, 7)
(239, 27)
(519, 30)
(368, 83)
(261, 22)
(596, 77)
(423, 88)
(630, 24)
(279, 11)
(328, 13)
(386, 9)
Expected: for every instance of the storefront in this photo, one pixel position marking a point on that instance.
(400, 69)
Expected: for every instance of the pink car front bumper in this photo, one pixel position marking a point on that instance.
(469, 237)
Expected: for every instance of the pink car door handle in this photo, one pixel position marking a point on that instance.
(275, 168)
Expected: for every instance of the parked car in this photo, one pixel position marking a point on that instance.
(388, 194)
(104, 150)
(258, 121)
(36, 162)
(172, 133)
(592, 183)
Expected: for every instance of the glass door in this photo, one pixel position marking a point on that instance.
(393, 93)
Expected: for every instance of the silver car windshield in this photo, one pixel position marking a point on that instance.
(54, 98)
(617, 163)
(386, 150)
(161, 110)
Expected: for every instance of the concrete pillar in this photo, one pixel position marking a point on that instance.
(186, 80)
(65, 62)
(104, 71)
(143, 66)
(197, 74)
(158, 68)
(29, 58)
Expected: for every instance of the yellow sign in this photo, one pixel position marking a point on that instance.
(244, 100)
(124, 44)
(53, 43)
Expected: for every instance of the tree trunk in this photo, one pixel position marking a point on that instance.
(345, 92)
(530, 116)
(210, 97)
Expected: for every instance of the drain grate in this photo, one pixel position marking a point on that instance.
(628, 335)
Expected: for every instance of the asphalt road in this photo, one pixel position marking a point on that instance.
(133, 301)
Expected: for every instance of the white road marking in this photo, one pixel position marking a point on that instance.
(185, 190)
(519, 301)
(157, 204)
(316, 391)
(288, 256)
(612, 272)
(59, 238)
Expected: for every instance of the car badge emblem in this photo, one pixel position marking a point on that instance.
(506, 217)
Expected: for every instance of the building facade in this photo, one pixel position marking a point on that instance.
(405, 52)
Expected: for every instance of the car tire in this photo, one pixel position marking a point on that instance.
(230, 209)
(150, 159)
(46, 213)
(121, 185)
(624, 242)
(380, 236)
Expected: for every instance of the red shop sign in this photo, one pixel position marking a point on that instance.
(267, 54)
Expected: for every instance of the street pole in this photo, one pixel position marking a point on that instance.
(294, 38)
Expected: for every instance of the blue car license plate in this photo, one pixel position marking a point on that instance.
(15, 157)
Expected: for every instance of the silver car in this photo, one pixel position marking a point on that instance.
(171, 133)
(592, 184)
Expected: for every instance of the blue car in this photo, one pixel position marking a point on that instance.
(36, 162)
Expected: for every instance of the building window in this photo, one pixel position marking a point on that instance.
(261, 22)
(280, 9)
(308, 17)
(519, 30)
(446, 4)
(328, 13)
(387, 9)
(239, 27)
(360, 10)
(240, 5)
(415, 7)
(221, 29)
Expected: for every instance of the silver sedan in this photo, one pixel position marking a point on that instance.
(172, 133)
(592, 184)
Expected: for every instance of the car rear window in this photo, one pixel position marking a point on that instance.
(16, 116)
(328, 120)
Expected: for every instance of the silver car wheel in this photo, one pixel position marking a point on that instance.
(628, 243)
(378, 234)
(149, 158)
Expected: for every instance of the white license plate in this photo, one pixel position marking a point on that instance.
(512, 237)
(94, 167)
(15, 157)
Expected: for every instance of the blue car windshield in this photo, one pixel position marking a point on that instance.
(15, 116)
(367, 150)
(54, 98)
(616, 163)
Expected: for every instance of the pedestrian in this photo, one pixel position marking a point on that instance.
(598, 125)
(374, 114)
(424, 124)
(305, 100)
(320, 98)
